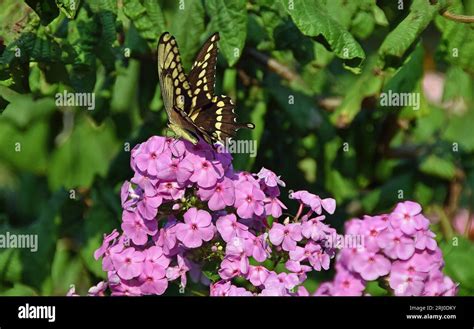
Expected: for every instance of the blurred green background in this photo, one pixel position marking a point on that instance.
(308, 73)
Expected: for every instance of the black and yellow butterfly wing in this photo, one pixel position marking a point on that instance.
(175, 88)
(203, 73)
(193, 109)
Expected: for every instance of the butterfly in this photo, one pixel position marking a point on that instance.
(194, 112)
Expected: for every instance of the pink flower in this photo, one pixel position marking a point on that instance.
(273, 207)
(220, 195)
(167, 236)
(405, 280)
(98, 289)
(248, 200)
(129, 263)
(425, 240)
(154, 281)
(371, 265)
(147, 158)
(174, 169)
(179, 271)
(372, 228)
(286, 235)
(197, 227)
(228, 227)
(404, 217)
(257, 275)
(285, 280)
(313, 228)
(170, 190)
(148, 206)
(396, 245)
(206, 173)
(256, 247)
(155, 257)
(439, 285)
(144, 183)
(105, 244)
(136, 228)
(314, 202)
(346, 284)
(270, 178)
(230, 268)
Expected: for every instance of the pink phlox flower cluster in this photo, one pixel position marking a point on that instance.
(398, 249)
(186, 207)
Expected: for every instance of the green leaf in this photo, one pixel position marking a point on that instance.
(26, 265)
(213, 276)
(106, 10)
(19, 289)
(367, 85)
(385, 196)
(46, 9)
(379, 16)
(406, 34)
(188, 27)
(147, 18)
(373, 288)
(229, 18)
(99, 221)
(22, 109)
(25, 149)
(68, 7)
(459, 130)
(439, 167)
(125, 87)
(314, 21)
(457, 39)
(458, 89)
(83, 155)
(459, 261)
(66, 270)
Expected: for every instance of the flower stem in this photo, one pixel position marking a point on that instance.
(298, 214)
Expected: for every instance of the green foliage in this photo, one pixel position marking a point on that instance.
(314, 20)
(459, 263)
(309, 73)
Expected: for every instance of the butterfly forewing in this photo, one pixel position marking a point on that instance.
(174, 84)
(203, 73)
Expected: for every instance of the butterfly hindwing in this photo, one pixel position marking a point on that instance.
(218, 119)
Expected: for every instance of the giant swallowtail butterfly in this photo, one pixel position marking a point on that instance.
(194, 112)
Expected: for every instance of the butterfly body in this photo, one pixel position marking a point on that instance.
(194, 112)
